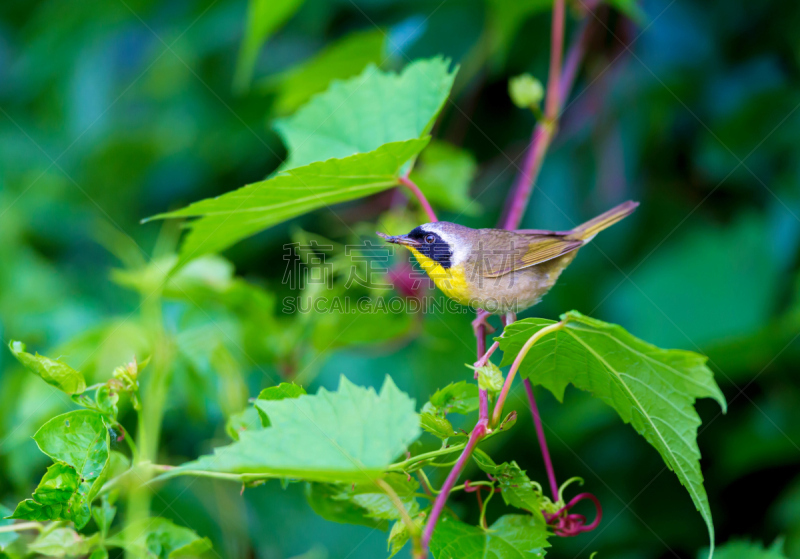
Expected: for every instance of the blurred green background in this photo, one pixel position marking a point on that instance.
(111, 111)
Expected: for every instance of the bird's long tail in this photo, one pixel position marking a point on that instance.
(592, 227)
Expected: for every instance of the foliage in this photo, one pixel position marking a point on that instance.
(239, 214)
(651, 388)
(512, 536)
(324, 437)
(60, 375)
(740, 549)
(114, 112)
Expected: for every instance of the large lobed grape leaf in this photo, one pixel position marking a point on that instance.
(653, 389)
(513, 536)
(78, 442)
(361, 114)
(349, 435)
(342, 59)
(353, 140)
(229, 218)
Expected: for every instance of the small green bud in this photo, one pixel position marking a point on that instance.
(526, 91)
(489, 377)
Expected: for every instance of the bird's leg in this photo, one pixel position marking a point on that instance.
(485, 358)
(482, 319)
(507, 319)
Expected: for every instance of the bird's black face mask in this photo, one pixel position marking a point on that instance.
(432, 246)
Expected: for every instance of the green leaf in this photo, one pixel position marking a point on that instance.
(352, 434)
(231, 390)
(281, 392)
(106, 400)
(444, 173)
(516, 487)
(6, 538)
(490, 378)
(78, 442)
(158, 538)
(61, 495)
(204, 275)
(54, 372)
(61, 542)
(651, 388)
(104, 514)
(512, 536)
(99, 553)
(322, 499)
(376, 502)
(741, 549)
(118, 463)
(264, 17)
(435, 425)
(363, 503)
(365, 112)
(399, 536)
(738, 549)
(236, 215)
(342, 59)
(250, 419)
(457, 397)
(79, 438)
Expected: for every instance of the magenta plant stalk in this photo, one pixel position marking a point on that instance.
(553, 99)
(478, 432)
(558, 87)
(537, 423)
(485, 359)
(545, 130)
(408, 183)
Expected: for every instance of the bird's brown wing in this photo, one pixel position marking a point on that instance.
(530, 249)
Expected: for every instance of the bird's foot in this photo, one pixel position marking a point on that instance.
(482, 320)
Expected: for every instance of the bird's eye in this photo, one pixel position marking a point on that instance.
(429, 239)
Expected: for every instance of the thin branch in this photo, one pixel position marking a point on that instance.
(537, 422)
(553, 101)
(485, 359)
(559, 86)
(408, 183)
(478, 432)
(21, 527)
(413, 531)
(406, 465)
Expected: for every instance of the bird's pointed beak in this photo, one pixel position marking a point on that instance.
(404, 240)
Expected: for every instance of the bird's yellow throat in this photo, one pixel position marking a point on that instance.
(452, 281)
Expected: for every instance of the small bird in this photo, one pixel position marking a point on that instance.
(495, 270)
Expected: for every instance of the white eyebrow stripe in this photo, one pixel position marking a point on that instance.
(460, 251)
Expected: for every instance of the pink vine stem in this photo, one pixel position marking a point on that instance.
(408, 183)
(558, 87)
(478, 432)
(537, 422)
